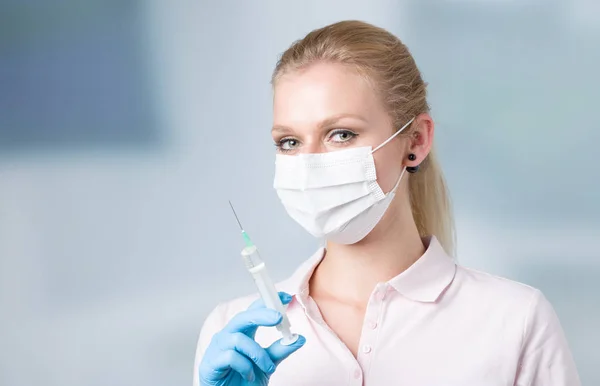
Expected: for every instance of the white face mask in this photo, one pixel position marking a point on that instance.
(334, 195)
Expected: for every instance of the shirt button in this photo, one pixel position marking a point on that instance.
(380, 295)
(372, 324)
(357, 373)
(367, 349)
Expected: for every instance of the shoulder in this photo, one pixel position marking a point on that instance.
(522, 318)
(228, 309)
(509, 302)
(526, 318)
(499, 303)
(505, 295)
(520, 310)
(220, 315)
(487, 287)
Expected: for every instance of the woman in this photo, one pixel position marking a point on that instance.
(383, 303)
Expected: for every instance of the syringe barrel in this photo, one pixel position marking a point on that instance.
(264, 284)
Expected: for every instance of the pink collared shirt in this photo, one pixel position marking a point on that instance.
(435, 324)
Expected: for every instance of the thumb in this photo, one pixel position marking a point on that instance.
(278, 352)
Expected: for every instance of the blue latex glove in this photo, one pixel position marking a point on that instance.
(233, 358)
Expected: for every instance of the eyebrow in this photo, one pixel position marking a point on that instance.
(324, 123)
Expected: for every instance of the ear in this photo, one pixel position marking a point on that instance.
(421, 139)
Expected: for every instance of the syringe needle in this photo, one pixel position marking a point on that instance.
(247, 240)
(235, 214)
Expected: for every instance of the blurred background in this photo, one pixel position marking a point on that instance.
(125, 126)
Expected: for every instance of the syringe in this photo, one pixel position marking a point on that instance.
(266, 288)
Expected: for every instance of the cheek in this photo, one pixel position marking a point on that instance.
(388, 164)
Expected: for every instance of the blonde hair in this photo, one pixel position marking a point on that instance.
(385, 61)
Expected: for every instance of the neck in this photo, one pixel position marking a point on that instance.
(350, 272)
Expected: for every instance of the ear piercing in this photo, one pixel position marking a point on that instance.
(412, 169)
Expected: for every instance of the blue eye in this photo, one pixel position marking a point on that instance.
(287, 144)
(342, 135)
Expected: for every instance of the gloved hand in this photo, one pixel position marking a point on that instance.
(233, 358)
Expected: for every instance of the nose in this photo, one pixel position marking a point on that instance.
(313, 146)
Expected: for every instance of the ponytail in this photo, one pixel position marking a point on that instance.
(430, 203)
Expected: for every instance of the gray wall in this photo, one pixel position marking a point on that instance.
(126, 127)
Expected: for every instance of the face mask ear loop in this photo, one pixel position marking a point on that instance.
(398, 182)
(392, 137)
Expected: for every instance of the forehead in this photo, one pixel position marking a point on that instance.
(321, 91)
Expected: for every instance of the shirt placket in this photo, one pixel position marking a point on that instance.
(358, 367)
(355, 374)
(371, 327)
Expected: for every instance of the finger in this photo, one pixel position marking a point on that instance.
(250, 349)
(279, 352)
(284, 297)
(225, 361)
(249, 320)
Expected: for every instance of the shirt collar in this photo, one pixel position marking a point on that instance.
(429, 276)
(297, 284)
(424, 281)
